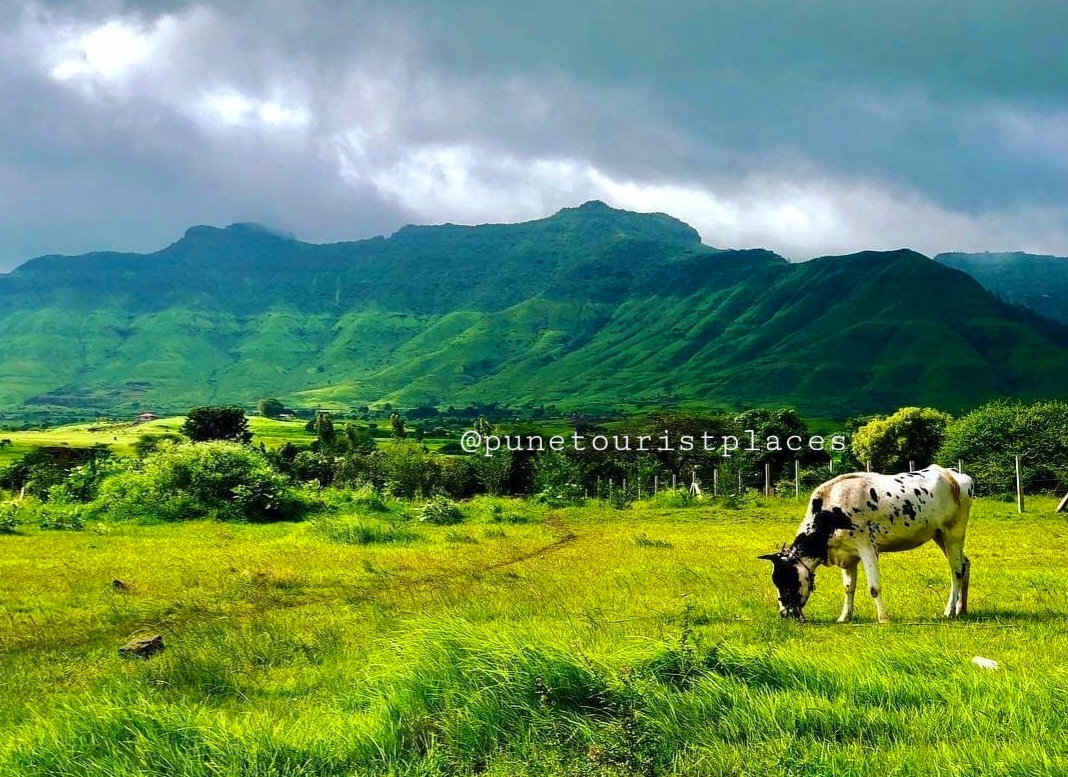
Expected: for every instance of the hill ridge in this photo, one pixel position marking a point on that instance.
(589, 307)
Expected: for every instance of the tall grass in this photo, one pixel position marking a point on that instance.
(558, 645)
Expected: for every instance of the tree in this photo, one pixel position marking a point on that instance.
(779, 438)
(358, 440)
(987, 439)
(324, 430)
(397, 425)
(270, 408)
(912, 434)
(216, 423)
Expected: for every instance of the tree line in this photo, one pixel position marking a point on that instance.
(214, 470)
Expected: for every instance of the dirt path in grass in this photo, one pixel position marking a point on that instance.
(564, 537)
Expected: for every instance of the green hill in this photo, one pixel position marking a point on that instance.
(588, 308)
(1033, 281)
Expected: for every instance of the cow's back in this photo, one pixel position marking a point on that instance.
(891, 512)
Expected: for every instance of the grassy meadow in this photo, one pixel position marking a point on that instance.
(523, 641)
(122, 436)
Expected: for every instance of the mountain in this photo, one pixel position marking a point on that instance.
(589, 308)
(1034, 281)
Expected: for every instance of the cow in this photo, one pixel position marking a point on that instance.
(855, 517)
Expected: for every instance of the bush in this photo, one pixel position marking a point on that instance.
(8, 517)
(309, 466)
(988, 439)
(61, 517)
(557, 480)
(911, 434)
(221, 480)
(441, 511)
(405, 470)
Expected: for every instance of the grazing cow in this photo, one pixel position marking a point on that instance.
(855, 517)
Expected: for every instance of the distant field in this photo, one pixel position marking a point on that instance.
(121, 436)
(524, 641)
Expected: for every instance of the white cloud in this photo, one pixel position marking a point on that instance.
(797, 218)
(350, 119)
(106, 52)
(231, 108)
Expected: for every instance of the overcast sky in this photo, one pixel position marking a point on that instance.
(814, 127)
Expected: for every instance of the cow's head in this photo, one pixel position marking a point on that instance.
(794, 580)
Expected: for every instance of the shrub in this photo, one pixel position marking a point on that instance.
(988, 439)
(310, 466)
(911, 434)
(441, 511)
(221, 480)
(564, 496)
(61, 517)
(405, 470)
(557, 480)
(8, 517)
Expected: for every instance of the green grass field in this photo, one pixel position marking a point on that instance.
(524, 641)
(121, 436)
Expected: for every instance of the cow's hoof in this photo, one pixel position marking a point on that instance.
(884, 619)
(843, 620)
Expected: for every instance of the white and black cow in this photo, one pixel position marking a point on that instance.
(853, 518)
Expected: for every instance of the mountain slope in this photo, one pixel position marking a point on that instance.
(589, 307)
(1033, 281)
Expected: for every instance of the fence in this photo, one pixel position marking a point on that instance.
(721, 483)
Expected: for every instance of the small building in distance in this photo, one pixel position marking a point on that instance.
(144, 417)
(287, 417)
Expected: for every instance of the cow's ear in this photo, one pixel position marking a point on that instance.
(772, 557)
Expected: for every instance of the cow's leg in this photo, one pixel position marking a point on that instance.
(962, 602)
(849, 583)
(952, 545)
(870, 558)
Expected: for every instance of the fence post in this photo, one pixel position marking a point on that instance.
(797, 479)
(656, 485)
(830, 464)
(960, 465)
(1019, 487)
(739, 482)
(867, 465)
(767, 480)
(912, 466)
(715, 481)
(674, 481)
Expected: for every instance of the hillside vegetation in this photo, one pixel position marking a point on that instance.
(1036, 282)
(591, 307)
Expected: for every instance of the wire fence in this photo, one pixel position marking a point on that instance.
(1025, 480)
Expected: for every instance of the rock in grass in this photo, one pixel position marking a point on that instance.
(142, 647)
(985, 663)
(120, 585)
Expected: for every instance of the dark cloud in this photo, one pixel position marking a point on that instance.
(809, 127)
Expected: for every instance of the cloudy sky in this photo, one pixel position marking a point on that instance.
(815, 127)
